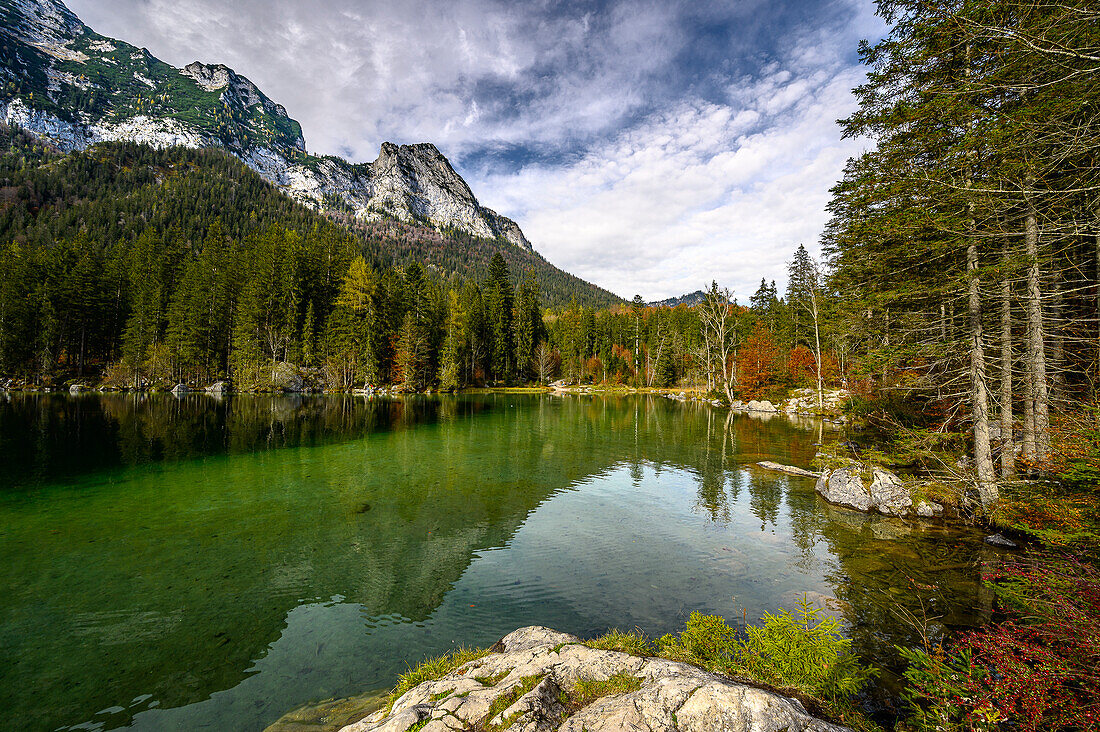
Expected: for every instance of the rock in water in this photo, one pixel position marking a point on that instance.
(668, 695)
(1001, 541)
(761, 406)
(788, 469)
(844, 487)
(928, 509)
(889, 494)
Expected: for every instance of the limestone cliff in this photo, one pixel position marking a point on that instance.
(62, 81)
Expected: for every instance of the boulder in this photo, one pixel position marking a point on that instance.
(761, 406)
(1001, 541)
(76, 388)
(889, 494)
(928, 509)
(844, 487)
(180, 389)
(667, 696)
(219, 387)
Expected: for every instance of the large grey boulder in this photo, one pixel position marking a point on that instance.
(761, 406)
(669, 695)
(844, 487)
(887, 493)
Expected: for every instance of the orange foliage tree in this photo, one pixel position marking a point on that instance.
(759, 356)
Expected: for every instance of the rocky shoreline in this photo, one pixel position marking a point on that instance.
(536, 680)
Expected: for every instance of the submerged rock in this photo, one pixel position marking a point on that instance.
(527, 685)
(788, 469)
(1001, 541)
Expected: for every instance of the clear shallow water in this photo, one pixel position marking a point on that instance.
(203, 564)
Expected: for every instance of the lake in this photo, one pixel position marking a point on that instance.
(200, 563)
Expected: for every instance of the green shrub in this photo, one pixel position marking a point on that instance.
(706, 640)
(804, 650)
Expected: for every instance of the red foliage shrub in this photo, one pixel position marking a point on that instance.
(1038, 668)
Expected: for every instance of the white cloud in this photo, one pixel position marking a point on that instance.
(704, 191)
(645, 184)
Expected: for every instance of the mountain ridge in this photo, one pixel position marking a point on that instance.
(63, 81)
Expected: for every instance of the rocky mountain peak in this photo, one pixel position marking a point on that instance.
(40, 22)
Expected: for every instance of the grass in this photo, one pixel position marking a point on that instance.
(632, 642)
(506, 700)
(432, 669)
(586, 692)
(491, 680)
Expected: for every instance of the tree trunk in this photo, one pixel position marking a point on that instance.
(979, 397)
(1008, 444)
(1098, 296)
(1036, 351)
(1058, 341)
(817, 355)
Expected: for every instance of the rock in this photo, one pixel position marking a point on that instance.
(804, 401)
(76, 388)
(180, 389)
(789, 469)
(761, 406)
(219, 387)
(670, 695)
(844, 487)
(737, 406)
(889, 494)
(1001, 541)
(928, 509)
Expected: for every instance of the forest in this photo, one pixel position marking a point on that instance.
(151, 267)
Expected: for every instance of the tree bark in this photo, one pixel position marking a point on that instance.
(1036, 350)
(1008, 444)
(817, 353)
(1058, 341)
(979, 396)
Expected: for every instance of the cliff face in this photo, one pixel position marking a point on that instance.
(62, 81)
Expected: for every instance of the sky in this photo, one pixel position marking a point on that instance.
(648, 147)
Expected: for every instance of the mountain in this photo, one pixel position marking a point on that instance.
(116, 192)
(63, 81)
(690, 299)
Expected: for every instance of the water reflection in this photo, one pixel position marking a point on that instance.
(201, 561)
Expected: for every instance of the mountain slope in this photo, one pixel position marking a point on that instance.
(115, 192)
(63, 81)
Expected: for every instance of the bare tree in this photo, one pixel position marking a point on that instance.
(719, 339)
(546, 362)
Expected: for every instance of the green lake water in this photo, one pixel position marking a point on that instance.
(195, 563)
